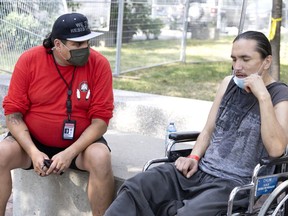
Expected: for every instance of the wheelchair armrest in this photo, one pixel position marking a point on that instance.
(178, 137)
(150, 162)
(184, 136)
(172, 155)
(276, 161)
(175, 154)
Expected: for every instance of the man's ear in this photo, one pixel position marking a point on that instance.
(267, 62)
(57, 43)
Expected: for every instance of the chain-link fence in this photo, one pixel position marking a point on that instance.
(138, 33)
(24, 24)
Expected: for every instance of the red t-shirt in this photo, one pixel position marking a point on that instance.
(37, 91)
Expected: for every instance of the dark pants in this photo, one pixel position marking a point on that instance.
(51, 151)
(164, 191)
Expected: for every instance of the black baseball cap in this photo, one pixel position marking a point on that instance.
(73, 27)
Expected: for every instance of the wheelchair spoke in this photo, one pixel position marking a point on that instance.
(273, 198)
(280, 205)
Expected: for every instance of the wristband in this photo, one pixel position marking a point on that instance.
(195, 157)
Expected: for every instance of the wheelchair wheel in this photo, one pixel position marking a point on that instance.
(276, 203)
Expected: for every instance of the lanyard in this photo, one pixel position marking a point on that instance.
(69, 87)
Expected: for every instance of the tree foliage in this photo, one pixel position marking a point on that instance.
(136, 17)
(25, 25)
(14, 36)
(73, 5)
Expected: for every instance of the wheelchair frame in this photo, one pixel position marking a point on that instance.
(281, 174)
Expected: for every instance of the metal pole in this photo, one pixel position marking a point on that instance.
(184, 35)
(242, 18)
(219, 8)
(286, 20)
(119, 37)
(64, 2)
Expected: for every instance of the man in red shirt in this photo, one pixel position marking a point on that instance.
(58, 107)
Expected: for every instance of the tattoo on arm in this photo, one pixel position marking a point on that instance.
(10, 139)
(15, 118)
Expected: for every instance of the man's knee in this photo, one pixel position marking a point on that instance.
(6, 152)
(99, 154)
(96, 157)
(12, 155)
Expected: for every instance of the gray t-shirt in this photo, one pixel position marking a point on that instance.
(236, 146)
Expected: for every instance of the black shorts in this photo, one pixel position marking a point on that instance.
(51, 151)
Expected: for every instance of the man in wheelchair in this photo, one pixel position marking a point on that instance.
(247, 123)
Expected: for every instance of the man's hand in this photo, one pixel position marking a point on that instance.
(187, 166)
(60, 162)
(38, 162)
(255, 84)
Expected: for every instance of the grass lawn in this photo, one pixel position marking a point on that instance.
(197, 81)
(208, 63)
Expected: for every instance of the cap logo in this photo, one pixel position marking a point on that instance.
(81, 27)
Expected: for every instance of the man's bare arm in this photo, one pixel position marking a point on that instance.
(20, 132)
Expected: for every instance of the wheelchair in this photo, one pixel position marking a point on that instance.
(268, 195)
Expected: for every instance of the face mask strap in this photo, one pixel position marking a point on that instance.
(260, 68)
(68, 51)
(65, 46)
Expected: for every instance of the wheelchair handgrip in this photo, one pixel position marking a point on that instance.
(184, 136)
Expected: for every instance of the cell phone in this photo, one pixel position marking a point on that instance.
(47, 162)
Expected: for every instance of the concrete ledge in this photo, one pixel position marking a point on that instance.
(66, 194)
(51, 195)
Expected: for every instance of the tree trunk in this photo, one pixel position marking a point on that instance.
(275, 41)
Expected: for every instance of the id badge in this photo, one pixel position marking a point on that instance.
(69, 129)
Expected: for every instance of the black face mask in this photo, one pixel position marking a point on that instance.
(79, 57)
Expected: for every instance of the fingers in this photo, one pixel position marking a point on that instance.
(186, 165)
(48, 167)
(247, 89)
(41, 169)
(255, 84)
(191, 172)
(58, 171)
(56, 168)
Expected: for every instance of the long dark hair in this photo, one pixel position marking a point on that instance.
(263, 45)
(48, 43)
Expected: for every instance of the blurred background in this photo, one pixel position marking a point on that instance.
(141, 33)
